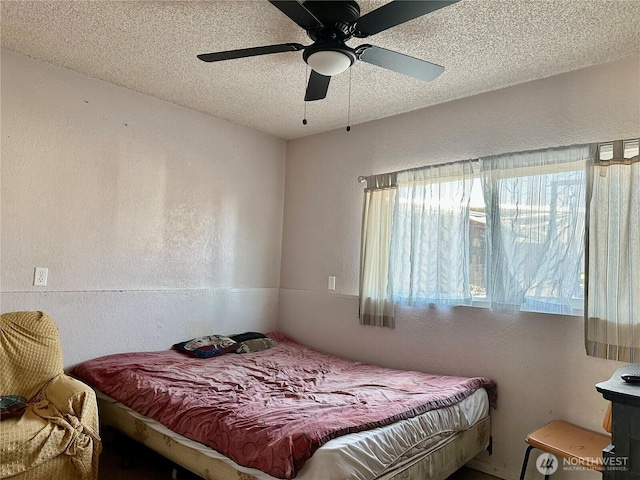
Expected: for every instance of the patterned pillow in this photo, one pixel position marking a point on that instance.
(207, 347)
(12, 406)
(256, 345)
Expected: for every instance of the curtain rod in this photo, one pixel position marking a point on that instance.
(363, 178)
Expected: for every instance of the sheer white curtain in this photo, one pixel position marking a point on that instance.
(415, 240)
(535, 211)
(376, 307)
(612, 320)
(430, 236)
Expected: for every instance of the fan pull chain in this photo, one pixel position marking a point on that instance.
(349, 110)
(306, 74)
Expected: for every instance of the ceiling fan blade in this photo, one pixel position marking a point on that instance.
(395, 13)
(298, 13)
(399, 62)
(250, 52)
(317, 87)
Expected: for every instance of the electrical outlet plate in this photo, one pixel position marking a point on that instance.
(332, 282)
(40, 276)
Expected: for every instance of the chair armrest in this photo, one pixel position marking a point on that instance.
(72, 397)
(71, 411)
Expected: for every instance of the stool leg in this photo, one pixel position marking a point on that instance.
(525, 461)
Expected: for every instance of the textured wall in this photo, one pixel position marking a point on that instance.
(156, 222)
(538, 360)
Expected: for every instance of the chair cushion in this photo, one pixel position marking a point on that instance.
(56, 436)
(30, 352)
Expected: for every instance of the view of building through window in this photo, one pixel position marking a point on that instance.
(536, 223)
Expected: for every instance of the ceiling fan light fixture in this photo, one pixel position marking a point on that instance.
(329, 62)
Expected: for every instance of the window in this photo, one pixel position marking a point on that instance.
(507, 231)
(536, 225)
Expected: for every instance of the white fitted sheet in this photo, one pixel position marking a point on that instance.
(363, 455)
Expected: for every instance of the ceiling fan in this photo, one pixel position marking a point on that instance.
(329, 24)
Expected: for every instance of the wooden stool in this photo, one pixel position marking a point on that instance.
(565, 440)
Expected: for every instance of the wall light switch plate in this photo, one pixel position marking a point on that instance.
(332, 282)
(40, 277)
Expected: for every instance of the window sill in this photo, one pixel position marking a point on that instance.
(578, 310)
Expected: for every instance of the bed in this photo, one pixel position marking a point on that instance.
(292, 412)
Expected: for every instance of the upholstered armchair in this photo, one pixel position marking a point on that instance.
(57, 435)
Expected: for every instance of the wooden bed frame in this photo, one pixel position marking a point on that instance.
(436, 463)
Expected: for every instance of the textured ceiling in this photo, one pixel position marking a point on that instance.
(151, 47)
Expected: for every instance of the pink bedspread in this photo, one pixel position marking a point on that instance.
(272, 409)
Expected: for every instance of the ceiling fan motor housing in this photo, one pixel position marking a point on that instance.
(337, 19)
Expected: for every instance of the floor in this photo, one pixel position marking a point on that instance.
(151, 466)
